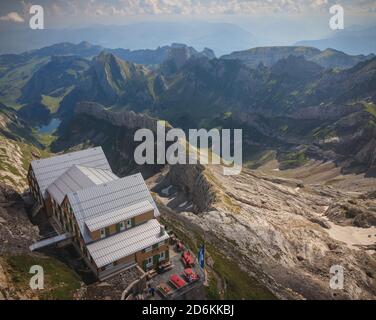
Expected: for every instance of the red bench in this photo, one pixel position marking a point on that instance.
(187, 259)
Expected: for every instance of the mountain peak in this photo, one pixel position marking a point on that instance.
(104, 55)
(85, 44)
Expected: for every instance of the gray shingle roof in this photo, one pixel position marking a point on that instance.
(77, 178)
(126, 243)
(118, 215)
(48, 170)
(109, 197)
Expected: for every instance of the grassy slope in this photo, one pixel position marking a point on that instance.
(12, 81)
(370, 108)
(60, 282)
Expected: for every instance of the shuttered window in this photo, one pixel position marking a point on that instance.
(149, 262)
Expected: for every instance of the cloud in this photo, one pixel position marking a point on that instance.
(192, 7)
(196, 7)
(12, 17)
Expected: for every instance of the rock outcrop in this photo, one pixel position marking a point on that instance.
(128, 119)
(193, 182)
(359, 213)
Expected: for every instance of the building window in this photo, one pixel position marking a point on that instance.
(129, 223)
(103, 233)
(122, 226)
(149, 262)
(162, 256)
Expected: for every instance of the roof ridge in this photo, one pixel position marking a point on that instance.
(66, 154)
(105, 184)
(76, 178)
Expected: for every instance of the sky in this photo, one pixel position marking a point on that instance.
(277, 21)
(80, 12)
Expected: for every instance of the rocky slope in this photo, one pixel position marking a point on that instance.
(112, 81)
(17, 148)
(16, 234)
(279, 233)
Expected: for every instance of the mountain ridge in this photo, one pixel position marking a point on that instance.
(351, 40)
(328, 58)
(295, 106)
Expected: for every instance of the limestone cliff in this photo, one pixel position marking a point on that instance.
(128, 119)
(285, 235)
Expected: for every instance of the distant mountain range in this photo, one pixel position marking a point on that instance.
(328, 58)
(85, 49)
(221, 37)
(22, 76)
(350, 40)
(300, 102)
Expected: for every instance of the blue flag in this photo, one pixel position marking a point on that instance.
(201, 257)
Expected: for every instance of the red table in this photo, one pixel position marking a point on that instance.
(187, 258)
(177, 281)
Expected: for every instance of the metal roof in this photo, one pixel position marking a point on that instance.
(47, 170)
(77, 178)
(126, 243)
(108, 197)
(119, 215)
(50, 241)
